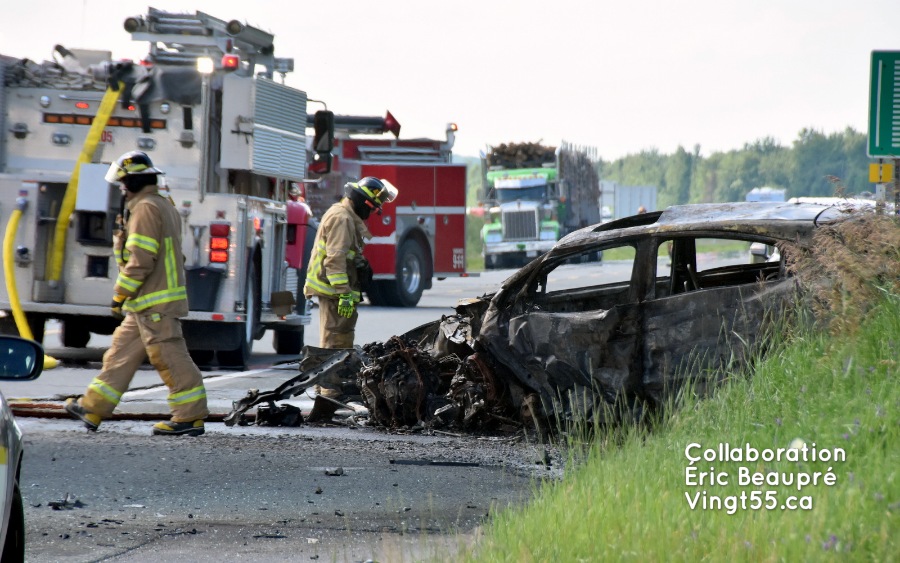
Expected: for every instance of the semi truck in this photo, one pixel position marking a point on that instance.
(421, 236)
(205, 105)
(533, 195)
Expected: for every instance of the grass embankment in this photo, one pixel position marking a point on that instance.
(631, 501)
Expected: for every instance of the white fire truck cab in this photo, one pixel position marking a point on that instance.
(231, 140)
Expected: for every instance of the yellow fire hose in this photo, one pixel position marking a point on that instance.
(10, 275)
(57, 254)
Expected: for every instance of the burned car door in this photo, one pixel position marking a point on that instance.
(572, 332)
(709, 302)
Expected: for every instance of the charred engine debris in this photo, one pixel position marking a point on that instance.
(405, 386)
(433, 377)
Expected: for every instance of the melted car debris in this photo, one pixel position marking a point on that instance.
(531, 357)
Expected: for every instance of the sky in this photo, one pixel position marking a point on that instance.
(622, 76)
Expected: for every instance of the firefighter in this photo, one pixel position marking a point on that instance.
(337, 270)
(150, 288)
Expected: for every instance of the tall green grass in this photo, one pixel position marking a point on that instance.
(627, 501)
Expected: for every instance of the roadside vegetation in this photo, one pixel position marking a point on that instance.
(829, 384)
(806, 167)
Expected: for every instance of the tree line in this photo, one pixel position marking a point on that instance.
(815, 164)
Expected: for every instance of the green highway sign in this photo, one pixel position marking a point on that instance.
(884, 105)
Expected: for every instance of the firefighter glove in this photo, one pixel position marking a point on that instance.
(116, 306)
(346, 305)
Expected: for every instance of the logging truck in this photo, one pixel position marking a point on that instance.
(533, 195)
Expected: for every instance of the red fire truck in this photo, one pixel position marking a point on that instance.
(422, 234)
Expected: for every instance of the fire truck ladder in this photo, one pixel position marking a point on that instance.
(180, 39)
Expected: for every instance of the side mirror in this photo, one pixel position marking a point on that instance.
(323, 142)
(20, 358)
(321, 163)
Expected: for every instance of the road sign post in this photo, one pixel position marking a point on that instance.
(884, 116)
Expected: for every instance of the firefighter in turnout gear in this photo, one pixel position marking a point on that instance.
(150, 288)
(337, 270)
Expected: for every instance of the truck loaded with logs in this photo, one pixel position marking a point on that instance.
(534, 194)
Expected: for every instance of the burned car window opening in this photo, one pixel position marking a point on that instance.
(564, 285)
(701, 262)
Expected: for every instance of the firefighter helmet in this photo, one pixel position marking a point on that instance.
(134, 163)
(374, 192)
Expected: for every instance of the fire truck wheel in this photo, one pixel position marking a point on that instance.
(203, 358)
(288, 341)
(36, 323)
(8, 325)
(376, 294)
(240, 356)
(74, 334)
(406, 289)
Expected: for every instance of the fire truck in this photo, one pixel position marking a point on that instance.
(207, 106)
(422, 234)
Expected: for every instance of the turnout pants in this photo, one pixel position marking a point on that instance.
(159, 338)
(335, 331)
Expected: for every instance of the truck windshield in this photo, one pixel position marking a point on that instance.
(533, 193)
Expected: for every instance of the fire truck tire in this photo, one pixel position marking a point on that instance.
(406, 289)
(35, 323)
(8, 325)
(240, 356)
(203, 358)
(376, 294)
(288, 341)
(74, 334)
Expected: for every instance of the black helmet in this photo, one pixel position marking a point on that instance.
(373, 191)
(134, 163)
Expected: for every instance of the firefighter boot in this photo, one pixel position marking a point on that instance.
(91, 421)
(169, 428)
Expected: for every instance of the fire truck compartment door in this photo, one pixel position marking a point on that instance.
(93, 189)
(263, 127)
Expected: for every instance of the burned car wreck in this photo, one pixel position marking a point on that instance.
(679, 296)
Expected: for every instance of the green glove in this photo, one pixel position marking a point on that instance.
(346, 304)
(116, 306)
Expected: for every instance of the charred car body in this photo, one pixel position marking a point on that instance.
(682, 298)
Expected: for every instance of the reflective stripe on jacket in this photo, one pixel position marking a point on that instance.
(151, 266)
(341, 236)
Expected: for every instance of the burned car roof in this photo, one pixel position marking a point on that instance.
(774, 220)
(779, 220)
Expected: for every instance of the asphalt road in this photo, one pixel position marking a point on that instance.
(264, 494)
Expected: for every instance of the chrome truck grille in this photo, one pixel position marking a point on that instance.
(520, 225)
